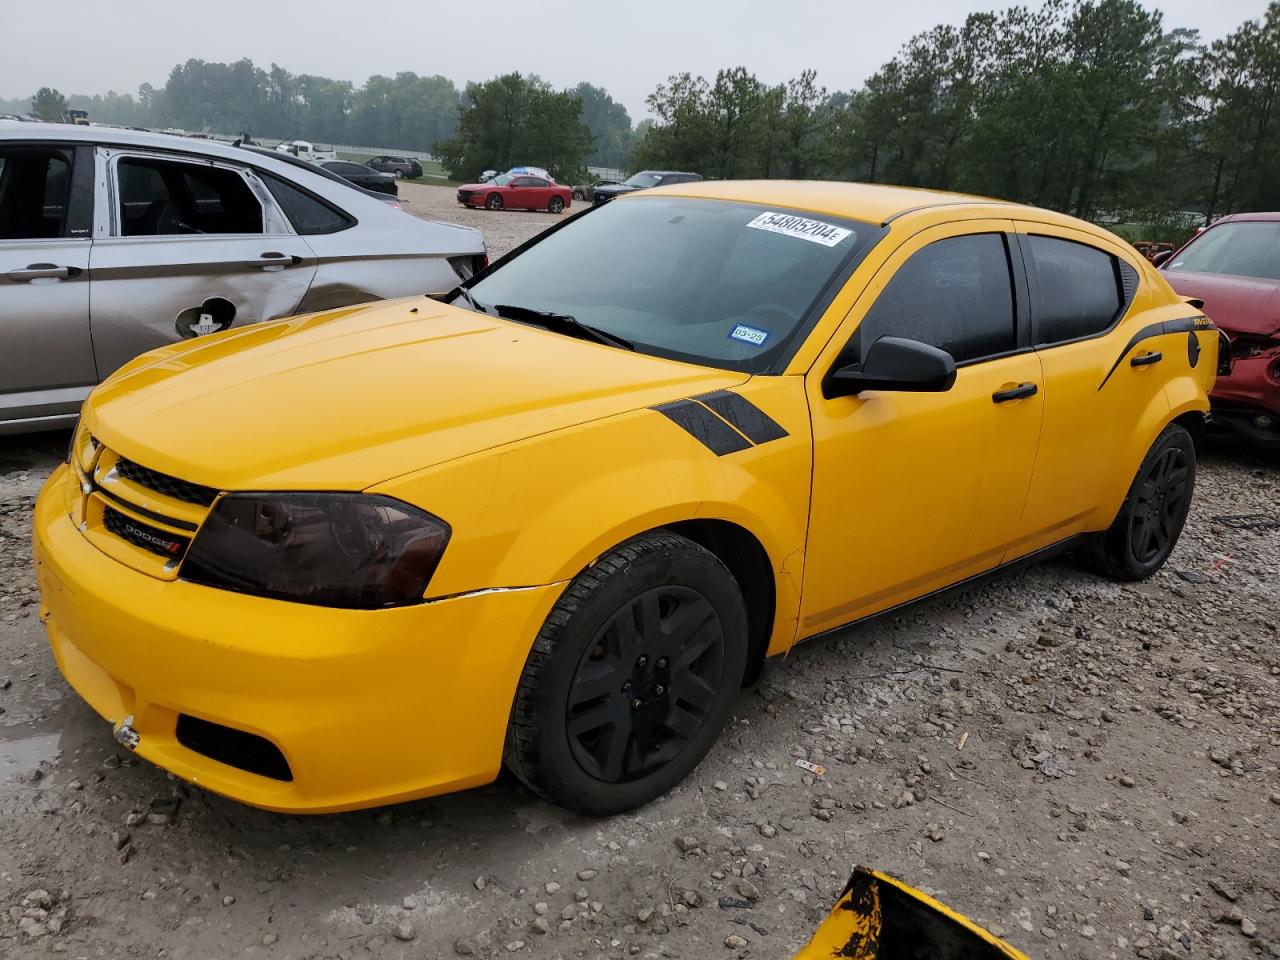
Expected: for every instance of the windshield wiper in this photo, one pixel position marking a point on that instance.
(472, 302)
(561, 323)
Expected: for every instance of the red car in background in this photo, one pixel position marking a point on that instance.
(1234, 267)
(517, 191)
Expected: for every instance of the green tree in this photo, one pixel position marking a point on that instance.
(609, 123)
(49, 105)
(513, 119)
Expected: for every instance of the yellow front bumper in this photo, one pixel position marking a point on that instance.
(368, 707)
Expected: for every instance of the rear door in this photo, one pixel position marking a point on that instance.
(46, 211)
(186, 246)
(1096, 382)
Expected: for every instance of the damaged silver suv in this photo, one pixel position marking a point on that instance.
(113, 242)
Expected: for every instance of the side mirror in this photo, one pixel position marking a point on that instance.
(1161, 257)
(894, 363)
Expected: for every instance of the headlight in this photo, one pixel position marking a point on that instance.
(331, 549)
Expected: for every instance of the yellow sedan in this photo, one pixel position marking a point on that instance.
(560, 516)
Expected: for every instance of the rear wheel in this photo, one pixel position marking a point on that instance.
(578, 195)
(555, 205)
(1147, 528)
(631, 678)
(493, 201)
(399, 174)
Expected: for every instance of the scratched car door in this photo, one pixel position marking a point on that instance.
(185, 247)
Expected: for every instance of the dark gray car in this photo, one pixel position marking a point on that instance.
(643, 181)
(113, 242)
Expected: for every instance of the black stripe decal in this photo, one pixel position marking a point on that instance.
(1146, 333)
(749, 420)
(704, 426)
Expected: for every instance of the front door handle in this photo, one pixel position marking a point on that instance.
(42, 271)
(1019, 392)
(271, 259)
(1146, 359)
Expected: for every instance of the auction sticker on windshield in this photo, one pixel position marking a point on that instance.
(815, 231)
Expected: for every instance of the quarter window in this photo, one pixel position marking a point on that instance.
(35, 185)
(956, 294)
(1077, 290)
(163, 197)
(308, 214)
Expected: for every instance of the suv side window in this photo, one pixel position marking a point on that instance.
(35, 190)
(956, 294)
(308, 214)
(164, 197)
(1076, 292)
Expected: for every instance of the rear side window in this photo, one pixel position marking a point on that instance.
(35, 187)
(1076, 292)
(164, 197)
(307, 213)
(956, 294)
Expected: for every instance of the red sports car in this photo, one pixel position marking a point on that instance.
(1234, 267)
(517, 191)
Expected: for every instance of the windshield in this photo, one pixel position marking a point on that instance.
(724, 284)
(643, 180)
(503, 179)
(1241, 249)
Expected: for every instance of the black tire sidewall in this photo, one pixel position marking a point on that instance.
(552, 205)
(1118, 544)
(562, 777)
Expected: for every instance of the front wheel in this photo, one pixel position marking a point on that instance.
(631, 678)
(1147, 528)
(555, 205)
(493, 201)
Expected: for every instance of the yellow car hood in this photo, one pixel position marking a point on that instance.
(346, 399)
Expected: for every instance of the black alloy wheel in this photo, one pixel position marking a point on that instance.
(1146, 529)
(493, 201)
(555, 204)
(645, 684)
(1160, 504)
(631, 678)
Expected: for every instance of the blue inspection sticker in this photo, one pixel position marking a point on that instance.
(751, 335)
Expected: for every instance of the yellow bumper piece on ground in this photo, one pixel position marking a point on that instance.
(879, 918)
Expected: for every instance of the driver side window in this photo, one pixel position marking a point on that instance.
(165, 197)
(956, 294)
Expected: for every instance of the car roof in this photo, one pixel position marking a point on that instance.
(1264, 216)
(869, 202)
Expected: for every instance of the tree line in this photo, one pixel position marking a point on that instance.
(1091, 107)
(1094, 107)
(407, 111)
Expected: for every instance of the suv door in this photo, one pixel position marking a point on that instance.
(46, 209)
(915, 491)
(1097, 384)
(186, 246)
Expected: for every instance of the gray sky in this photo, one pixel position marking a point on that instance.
(91, 46)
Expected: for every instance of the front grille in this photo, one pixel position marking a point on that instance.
(235, 748)
(144, 535)
(164, 484)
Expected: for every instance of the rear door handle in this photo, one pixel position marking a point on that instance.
(42, 271)
(1020, 392)
(1146, 359)
(273, 259)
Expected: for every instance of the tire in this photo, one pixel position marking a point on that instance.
(1150, 520)
(649, 643)
(493, 201)
(577, 195)
(399, 174)
(555, 205)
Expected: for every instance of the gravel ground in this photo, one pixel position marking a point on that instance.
(1091, 770)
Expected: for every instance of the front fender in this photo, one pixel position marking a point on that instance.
(541, 510)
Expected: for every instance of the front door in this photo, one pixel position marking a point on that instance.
(46, 208)
(915, 491)
(187, 247)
